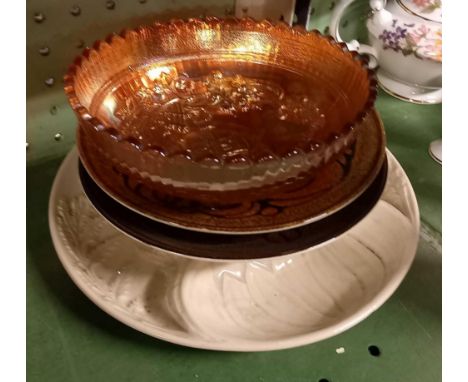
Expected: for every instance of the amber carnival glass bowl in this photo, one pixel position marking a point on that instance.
(218, 110)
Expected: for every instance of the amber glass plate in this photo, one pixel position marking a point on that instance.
(333, 187)
(232, 247)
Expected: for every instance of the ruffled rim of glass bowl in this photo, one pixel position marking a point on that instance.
(346, 136)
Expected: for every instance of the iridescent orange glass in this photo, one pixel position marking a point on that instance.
(218, 110)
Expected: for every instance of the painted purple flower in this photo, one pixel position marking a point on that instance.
(401, 32)
(392, 39)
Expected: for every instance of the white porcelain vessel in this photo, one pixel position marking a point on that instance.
(256, 305)
(405, 38)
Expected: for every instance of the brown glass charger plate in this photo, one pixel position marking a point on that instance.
(335, 186)
(232, 247)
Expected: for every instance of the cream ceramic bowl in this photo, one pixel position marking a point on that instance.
(240, 305)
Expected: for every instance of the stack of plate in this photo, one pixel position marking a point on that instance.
(280, 267)
(306, 283)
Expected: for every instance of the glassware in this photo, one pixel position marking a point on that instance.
(218, 111)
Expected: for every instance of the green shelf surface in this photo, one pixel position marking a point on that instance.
(71, 339)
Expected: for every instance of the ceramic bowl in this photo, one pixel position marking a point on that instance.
(259, 305)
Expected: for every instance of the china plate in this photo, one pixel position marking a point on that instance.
(339, 183)
(256, 305)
